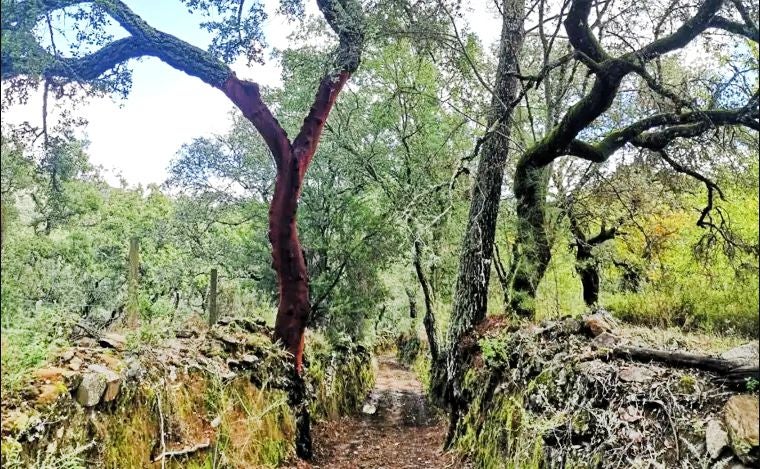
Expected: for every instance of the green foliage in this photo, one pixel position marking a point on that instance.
(753, 385)
(408, 346)
(694, 283)
(29, 342)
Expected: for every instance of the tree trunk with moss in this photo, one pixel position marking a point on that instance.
(429, 319)
(586, 263)
(533, 250)
(471, 293)
(588, 269)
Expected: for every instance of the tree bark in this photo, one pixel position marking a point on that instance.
(213, 313)
(429, 319)
(502, 274)
(588, 270)
(530, 187)
(586, 264)
(471, 294)
(133, 303)
(292, 161)
(412, 303)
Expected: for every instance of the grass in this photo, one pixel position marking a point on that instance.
(696, 309)
(246, 424)
(27, 344)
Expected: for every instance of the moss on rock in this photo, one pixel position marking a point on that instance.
(225, 408)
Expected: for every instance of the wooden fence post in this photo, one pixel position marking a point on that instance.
(213, 312)
(133, 302)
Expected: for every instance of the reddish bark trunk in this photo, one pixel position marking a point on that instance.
(292, 161)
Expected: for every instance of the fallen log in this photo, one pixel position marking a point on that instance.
(734, 373)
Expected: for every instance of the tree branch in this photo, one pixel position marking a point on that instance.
(688, 124)
(690, 29)
(346, 19)
(305, 143)
(247, 97)
(579, 32)
(148, 41)
(733, 27)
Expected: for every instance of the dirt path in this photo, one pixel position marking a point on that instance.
(400, 431)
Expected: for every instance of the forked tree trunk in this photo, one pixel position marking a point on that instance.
(292, 161)
(345, 18)
(586, 264)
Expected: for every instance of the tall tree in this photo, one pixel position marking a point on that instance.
(471, 294)
(24, 55)
(681, 117)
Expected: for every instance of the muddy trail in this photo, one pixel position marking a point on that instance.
(397, 428)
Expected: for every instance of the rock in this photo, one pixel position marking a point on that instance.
(112, 380)
(52, 373)
(135, 370)
(67, 355)
(741, 415)
(185, 334)
(635, 374)
(216, 422)
(747, 354)
(605, 340)
(91, 389)
(50, 393)
(597, 324)
(227, 375)
(112, 340)
(369, 409)
(75, 363)
(87, 342)
(69, 379)
(111, 362)
(716, 438)
(630, 414)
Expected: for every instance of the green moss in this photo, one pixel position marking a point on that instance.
(253, 425)
(408, 347)
(500, 433)
(340, 375)
(687, 384)
(11, 453)
(581, 422)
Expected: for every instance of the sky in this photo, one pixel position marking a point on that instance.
(136, 138)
